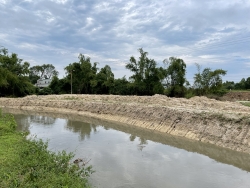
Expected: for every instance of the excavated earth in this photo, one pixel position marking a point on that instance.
(236, 96)
(222, 123)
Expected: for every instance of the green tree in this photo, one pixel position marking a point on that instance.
(241, 85)
(104, 81)
(146, 78)
(208, 81)
(45, 71)
(175, 72)
(229, 85)
(247, 83)
(83, 72)
(121, 86)
(55, 85)
(13, 75)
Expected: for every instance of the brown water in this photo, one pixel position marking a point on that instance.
(125, 156)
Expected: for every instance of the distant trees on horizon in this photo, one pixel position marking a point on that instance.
(17, 78)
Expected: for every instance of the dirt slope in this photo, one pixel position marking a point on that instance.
(237, 96)
(224, 124)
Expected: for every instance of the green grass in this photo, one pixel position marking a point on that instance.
(246, 103)
(71, 98)
(28, 163)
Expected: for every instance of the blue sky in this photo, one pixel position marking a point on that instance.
(213, 33)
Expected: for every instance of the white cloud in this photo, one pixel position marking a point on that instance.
(60, 1)
(212, 32)
(129, 6)
(28, 46)
(46, 15)
(3, 2)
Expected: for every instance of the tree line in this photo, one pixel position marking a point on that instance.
(17, 78)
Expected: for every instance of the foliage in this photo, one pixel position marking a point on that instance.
(208, 81)
(104, 81)
(45, 91)
(59, 86)
(45, 71)
(55, 85)
(82, 73)
(13, 64)
(228, 85)
(28, 163)
(146, 78)
(175, 77)
(189, 94)
(13, 75)
(121, 86)
(244, 84)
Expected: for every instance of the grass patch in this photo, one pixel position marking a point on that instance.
(28, 163)
(246, 103)
(71, 98)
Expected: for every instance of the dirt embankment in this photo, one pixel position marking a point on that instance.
(224, 124)
(236, 96)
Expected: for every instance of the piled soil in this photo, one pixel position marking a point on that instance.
(237, 96)
(224, 124)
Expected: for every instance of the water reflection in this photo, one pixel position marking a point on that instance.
(142, 141)
(84, 129)
(24, 121)
(44, 120)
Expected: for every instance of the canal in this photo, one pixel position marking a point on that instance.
(124, 156)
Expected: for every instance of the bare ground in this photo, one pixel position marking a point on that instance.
(222, 123)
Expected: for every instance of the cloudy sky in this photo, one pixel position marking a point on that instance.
(213, 33)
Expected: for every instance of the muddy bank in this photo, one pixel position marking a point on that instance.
(224, 124)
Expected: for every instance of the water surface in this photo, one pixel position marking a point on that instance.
(125, 156)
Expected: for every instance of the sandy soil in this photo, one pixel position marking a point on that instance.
(221, 123)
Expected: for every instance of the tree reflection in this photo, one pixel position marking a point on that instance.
(23, 122)
(45, 120)
(142, 141)
(132, 138)
(83, 128)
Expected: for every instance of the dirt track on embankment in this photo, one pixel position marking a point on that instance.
(224, 124)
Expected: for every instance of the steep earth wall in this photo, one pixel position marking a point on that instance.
(224, 124)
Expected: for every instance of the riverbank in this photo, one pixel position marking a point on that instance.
(26, 163)
(221, 123)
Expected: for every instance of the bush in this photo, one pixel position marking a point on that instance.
(28, 163)
(45, 91)
(220, 92)
(189, 95)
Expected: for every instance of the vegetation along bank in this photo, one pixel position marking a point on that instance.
(27, 163)
(221, 123)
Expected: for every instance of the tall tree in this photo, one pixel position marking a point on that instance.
(104, 81)
(208, 81)
(13, 64)
(45, 71)
(146, 77)
(83, 72)
(121, 86)
(175, 79)
(247, 83)
(13, 75)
